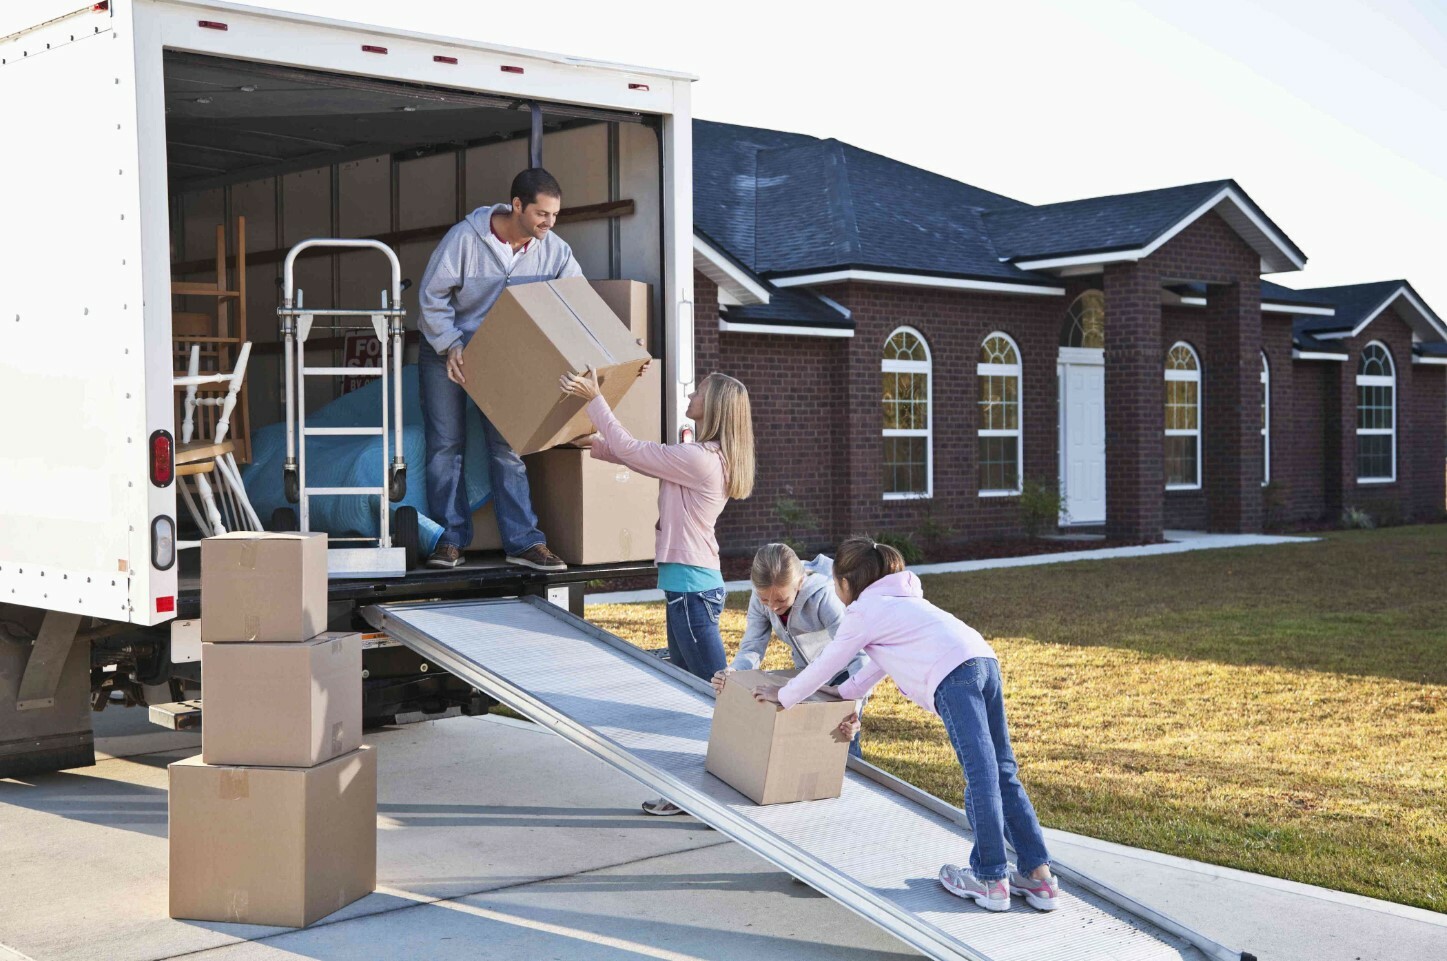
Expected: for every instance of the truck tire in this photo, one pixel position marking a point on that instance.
(407, 535)
(283, 519)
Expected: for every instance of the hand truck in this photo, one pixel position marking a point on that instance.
(386, 558)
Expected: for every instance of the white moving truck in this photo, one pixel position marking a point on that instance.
(133, 129)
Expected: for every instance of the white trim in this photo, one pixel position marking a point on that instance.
(1266, 420)
(1095, 356)
(1271, 307)
(1017, 371)
(1224, 194)
(747, 328)
(1000, 493)
(1317, 355)
(1377, 380)
(712, 263)
(1433, 361)
(1197, 377)
(925, 367)
(913, 280)
(1412, 299)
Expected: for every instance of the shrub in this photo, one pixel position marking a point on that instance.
(1041, 505)
(1354, 518)
(908, 548)
(794, 518)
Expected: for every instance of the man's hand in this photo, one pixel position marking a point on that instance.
(767, 694)
(718, 680)
(847, 728)
(584, 386)
(454, 366)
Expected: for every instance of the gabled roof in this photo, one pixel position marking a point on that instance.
(1306, 347)
(1275, 297)
(1131, 226)
(791, 308)
(1357, 305)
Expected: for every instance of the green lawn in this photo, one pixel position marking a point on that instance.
(1276, 709)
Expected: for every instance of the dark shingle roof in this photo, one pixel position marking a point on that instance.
(1277, 294)
(1353, 303)
(790, 307)
(789, 204)
(1432, 348)
(1096, 224)
(1301, 339)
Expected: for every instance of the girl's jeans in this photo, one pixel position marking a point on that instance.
(970, 701)
(694, 643)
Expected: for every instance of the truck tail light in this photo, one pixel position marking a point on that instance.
(163, 458)
(163, 543)
(166, 604)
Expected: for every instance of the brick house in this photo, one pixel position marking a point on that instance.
(916, 348)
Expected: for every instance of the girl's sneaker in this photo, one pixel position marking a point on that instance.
(1040, 895)
(962, 883)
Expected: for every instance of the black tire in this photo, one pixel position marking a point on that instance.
(407, 535)
(283, 519)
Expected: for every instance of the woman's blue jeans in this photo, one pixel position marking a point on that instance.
(694, 643)
(970, 700)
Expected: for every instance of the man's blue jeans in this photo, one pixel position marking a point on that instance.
(694, 643)
(444, 422)
(971, 702)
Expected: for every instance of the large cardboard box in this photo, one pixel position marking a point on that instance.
(533, 335)
(263, 587)
(282, 705)
(591, 511)
(771, 755)
(485, 535)
(641, 409)
(272, 845)
(631, 301)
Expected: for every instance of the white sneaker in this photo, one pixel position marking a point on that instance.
(1040, 895)
(962, 883)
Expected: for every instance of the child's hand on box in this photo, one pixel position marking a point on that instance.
(847, 728)
(767, 693)
(718, 680)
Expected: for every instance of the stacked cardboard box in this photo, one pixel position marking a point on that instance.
(275, 821)
(593, 512)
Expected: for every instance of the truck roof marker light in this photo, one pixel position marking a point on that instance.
(370, 48)
(510, 69)
(638, 86)
(101, 7)
(212, 25)
(441, 59)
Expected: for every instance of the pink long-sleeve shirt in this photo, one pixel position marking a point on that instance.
(905, 636)
(692, 487)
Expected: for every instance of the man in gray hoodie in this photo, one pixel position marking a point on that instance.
(492, 249)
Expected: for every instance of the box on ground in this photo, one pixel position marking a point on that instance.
(282, 705)
(272, 845)
(534, 334)
(591, 511)
(771, 755)
(263, 587)
(631, 301)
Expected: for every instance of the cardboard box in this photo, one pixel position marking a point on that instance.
(591, 511)
(771, 755)
(272, 845)
(263, 587)
(631, 301)
(282, 705)
(641, 409)
(533, 335)
(485, 535)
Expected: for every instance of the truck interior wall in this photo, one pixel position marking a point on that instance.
(384, 194)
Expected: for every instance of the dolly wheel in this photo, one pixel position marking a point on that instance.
(291, 481)
(406, 535)
(398, 488)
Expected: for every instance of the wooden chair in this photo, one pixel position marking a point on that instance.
(226, 506)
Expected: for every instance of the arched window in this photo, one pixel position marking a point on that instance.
(907, 447)
(1183, 418)
(999, 432)
(1265, 420)
(1376, 416)
(1085, 322)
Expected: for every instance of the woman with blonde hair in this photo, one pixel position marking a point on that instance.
(696, 480)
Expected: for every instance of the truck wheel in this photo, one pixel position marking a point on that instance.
(283, 519)
(406, 535)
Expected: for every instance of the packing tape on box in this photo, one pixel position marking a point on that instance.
(251, 622)
(246, 556)
(240, 904)
(564, 301)
(235, 784)
(338, 736)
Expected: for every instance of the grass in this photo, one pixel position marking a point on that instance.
(1281, 710)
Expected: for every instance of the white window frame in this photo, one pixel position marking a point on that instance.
(1376, 380)
(1196, 377)
(1265, 420)
(889, 366)
(1005, 370)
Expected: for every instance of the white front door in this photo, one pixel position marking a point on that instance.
(1082, 435)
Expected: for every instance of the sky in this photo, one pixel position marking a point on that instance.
(1331, 114)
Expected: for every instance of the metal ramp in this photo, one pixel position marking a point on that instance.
(875, 849)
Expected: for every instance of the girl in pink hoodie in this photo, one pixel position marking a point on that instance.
(695, 482)
(947, 668)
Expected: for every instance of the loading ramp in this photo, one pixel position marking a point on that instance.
(875, 849)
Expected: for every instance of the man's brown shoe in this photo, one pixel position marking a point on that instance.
(539, 558)
(446, 555)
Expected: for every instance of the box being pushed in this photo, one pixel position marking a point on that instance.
(771, 755)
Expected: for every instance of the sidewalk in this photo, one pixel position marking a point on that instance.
(1177, 542)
